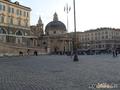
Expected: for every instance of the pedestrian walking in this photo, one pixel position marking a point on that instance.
(113, 53)
(116, 53)
(35, 53)
(28, 51)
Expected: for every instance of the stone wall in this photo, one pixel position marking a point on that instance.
(9, 50)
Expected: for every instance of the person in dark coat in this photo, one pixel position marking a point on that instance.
(113, 53)
(20, 53)
(116, 53)
(28, 51)
(35, 53)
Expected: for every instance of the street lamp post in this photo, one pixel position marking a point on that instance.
(67, 10)
(75, 35)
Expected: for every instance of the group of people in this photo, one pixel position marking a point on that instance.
(35, 53)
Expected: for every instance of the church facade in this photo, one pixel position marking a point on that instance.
(55, 39)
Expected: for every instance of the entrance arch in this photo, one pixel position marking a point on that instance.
(19, 35)
(2, 31)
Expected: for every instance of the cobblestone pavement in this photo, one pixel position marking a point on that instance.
(59, 72)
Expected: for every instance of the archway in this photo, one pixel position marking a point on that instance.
(56, 50)
(3, 36)
(19, 33)
(18, 37)
(2, 31)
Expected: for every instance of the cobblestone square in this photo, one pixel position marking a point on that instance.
(59, 72)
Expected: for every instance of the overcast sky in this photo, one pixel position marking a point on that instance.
(90, 14)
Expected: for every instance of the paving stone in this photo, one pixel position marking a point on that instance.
(58, 72)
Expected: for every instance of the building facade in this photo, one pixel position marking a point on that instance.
(101, 39)
(37, 31)
(15, 27)
(56, 39)
(14, 22)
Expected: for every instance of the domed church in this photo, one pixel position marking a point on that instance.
(56, 39)
(55, 27)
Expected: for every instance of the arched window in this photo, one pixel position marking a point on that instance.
(26, 22)
(1, 19)
(2, 31)
(54, 32)
(19, 22)
(19, 33)
(10, 20)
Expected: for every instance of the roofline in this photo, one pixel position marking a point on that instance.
(100, 29)
(17, 5)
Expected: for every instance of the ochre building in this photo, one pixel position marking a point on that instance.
(14, 28)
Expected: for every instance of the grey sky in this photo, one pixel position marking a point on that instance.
(90, 13)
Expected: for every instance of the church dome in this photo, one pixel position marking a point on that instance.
(55, 25)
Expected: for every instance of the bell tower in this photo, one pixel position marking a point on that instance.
(39, 27)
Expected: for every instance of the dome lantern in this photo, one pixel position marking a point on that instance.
(55, 18)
